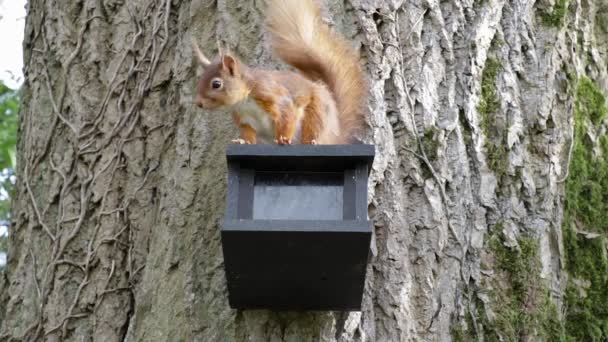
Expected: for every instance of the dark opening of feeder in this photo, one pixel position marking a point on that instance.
(297, 195)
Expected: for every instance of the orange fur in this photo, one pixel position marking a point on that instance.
(303, 40)
(281, 112)
(323, 102)
(313, 121)
(248, 134)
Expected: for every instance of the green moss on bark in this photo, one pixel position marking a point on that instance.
(555, 18)
(519, 299)
(489, 103)
(521, 304)
(488, 107)
(429, 143)
(586, 208)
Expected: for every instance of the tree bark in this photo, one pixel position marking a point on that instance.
(122, 180)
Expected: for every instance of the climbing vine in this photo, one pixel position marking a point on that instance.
(78, 174)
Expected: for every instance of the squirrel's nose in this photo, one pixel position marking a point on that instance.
(199, 102)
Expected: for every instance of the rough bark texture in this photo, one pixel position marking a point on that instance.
(122, 180)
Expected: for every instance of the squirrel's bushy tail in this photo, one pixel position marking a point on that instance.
(303, 40)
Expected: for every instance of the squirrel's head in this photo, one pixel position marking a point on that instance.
(222, 83)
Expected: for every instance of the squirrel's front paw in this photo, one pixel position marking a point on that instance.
(283, 141)
(313, 142)
(240, 141)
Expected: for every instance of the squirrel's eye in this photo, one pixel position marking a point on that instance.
(216, 84)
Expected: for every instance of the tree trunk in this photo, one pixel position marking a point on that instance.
(122, 180)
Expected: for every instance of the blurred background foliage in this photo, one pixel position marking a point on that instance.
(9, 108)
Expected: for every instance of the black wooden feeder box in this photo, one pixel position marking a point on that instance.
(296, 234)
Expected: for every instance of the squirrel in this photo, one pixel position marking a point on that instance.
(320, 103)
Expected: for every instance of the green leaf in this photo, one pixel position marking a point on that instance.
(13, 157)
(9, 109)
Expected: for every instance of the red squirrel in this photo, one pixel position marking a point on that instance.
(321, 103)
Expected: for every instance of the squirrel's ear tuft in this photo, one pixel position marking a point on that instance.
(230, 64)
(200, 55)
